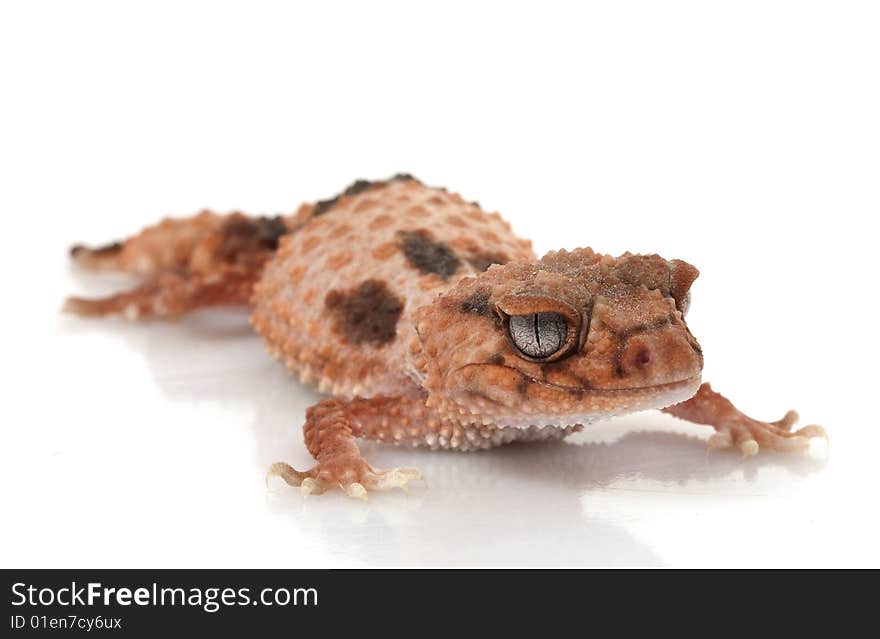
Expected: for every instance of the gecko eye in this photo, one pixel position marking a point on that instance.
(538, 335)
(539, 327)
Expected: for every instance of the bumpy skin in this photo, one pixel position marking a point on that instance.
(409, 305)
(337, 302)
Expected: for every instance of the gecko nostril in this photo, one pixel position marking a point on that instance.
(643, 357)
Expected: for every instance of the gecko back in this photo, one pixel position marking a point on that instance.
(336, 302)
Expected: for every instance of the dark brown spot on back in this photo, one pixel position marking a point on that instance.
(357, 187)
(428, 255)
(322, 206)
(366, 314)
(482, 261)
(243, 235)
(263, 230)
(497, 359)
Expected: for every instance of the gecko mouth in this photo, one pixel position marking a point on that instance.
(563, 405)
(536, 402)
(586, 387)
(614, 391)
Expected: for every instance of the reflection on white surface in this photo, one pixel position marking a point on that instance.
(171, 458)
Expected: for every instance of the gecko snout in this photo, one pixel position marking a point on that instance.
(657, 358)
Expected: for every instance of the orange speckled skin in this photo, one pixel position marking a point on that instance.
(405, 303)
(357, 240)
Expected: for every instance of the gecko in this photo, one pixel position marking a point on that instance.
(427, 322)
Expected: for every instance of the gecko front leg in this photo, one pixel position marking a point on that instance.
(734, 428)
(330, 431)
(333, 425)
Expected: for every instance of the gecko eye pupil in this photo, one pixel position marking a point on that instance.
(538, 335)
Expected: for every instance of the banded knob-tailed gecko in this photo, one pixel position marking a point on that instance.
(429, 323)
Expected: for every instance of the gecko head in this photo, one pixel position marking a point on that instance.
(571, 338)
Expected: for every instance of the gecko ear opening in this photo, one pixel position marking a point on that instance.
(681, 276)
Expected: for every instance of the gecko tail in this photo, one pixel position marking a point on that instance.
(188, 263)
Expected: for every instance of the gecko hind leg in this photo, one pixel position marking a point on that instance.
(171, 295)
(330, 431)
(735, 429)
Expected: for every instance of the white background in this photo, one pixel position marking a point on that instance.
(742, 137)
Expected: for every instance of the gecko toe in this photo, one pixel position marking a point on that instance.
(287, 472)
(787, 421)
(720, 440)
(311, 486)
(791, 444)
(811, 431)
(396, 478)
(749, 447)
(356, 490)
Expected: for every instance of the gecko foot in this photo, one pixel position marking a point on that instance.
(737, 430)
(750, 436)
(355, 478)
